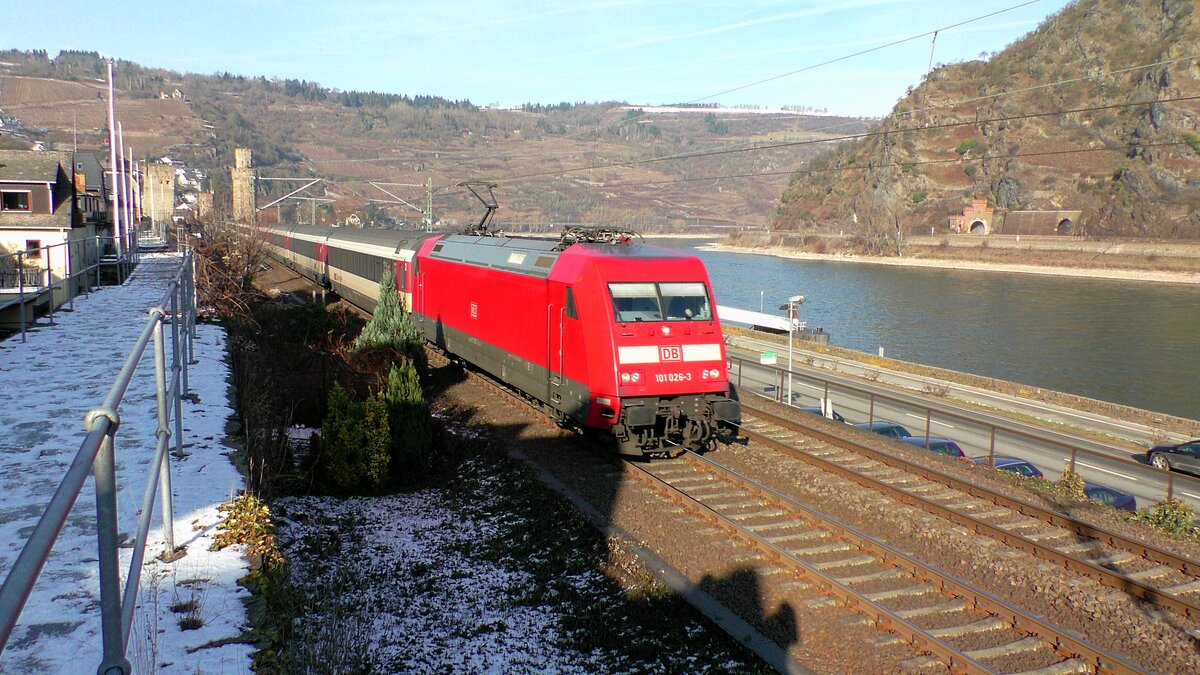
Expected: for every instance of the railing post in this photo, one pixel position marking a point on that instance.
(72, 285)
(50, 282)
(176, 368)
(992, 447)
(111, 633)
(164, 469)
(21, 291)
(179, 299)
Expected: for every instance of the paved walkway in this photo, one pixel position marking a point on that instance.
(46, 386)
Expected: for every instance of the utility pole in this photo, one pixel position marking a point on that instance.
(429, 204)
(112, 159)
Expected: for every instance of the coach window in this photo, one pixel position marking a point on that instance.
(685, 301)
(570, 304)
(635, 302)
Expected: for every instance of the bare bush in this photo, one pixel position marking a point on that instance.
(936, 389)
(226, 262)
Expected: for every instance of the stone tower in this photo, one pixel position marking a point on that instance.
(243, 186)
(158, 195)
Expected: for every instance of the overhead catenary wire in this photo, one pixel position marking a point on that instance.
(754, 147)
(636, 118)
(847, 137)
(883, 165)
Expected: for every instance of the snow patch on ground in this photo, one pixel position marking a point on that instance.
(403, 567)
(49, 384)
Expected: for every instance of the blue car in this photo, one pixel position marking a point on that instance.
(942, 446)
(883, 428)
(1011, 464)
(1122, 501)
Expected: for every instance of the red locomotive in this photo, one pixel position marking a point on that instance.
(597, 330)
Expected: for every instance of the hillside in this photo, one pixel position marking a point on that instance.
(1096, 111)
(535, 155)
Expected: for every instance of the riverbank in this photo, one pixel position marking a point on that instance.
(1156, 276)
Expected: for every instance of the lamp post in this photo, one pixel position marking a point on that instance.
(793, 310)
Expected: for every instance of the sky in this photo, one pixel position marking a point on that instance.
(645, 52)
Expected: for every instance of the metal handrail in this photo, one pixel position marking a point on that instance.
(990, 422)
(33, 281)
(96, 452)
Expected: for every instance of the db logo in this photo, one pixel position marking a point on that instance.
(671, 353)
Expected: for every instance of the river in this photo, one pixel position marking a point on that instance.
(1133, 343)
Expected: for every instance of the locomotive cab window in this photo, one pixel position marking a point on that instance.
(685, 301)
(645, 301)
(635, 302)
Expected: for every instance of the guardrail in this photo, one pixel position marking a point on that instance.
(96, 455)
(992, 423)
(32, 273)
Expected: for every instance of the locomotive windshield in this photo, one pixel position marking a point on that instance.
(646, 301)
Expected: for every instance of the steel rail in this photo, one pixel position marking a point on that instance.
(725, 618)
(1020, 620)
(1101, 574)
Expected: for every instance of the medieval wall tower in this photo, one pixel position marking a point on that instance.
(243, 186)
(158, 195)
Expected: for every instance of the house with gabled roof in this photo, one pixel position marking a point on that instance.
(44, 237)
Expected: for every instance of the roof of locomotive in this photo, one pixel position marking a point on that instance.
(630, 251)
(533, 257)
(536, 257)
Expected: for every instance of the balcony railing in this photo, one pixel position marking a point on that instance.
(31, 278)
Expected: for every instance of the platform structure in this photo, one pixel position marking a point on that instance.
(51, 380)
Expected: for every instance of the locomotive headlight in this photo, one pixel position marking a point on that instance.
(714, 373)
(631, 377)
(637, 377)
(625, 378)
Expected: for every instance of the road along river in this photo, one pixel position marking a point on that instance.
(1132, 343)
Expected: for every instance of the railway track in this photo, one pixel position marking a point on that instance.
(1151, 574)
(963, 628)
(949, 622)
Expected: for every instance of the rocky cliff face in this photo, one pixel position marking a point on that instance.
(1097, 111)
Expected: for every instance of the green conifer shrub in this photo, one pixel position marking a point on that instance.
(391, 327)
(355, 445)
(409, 420)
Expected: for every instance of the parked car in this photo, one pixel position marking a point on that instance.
(1113, 497)
(1183, 456)
(884, 428)
(816, 410)
(1013, 464)
(942, 446)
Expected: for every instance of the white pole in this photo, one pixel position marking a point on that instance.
(153, 223)
(132, 188)
(791, 328)
(112, 158)
(121, 175)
